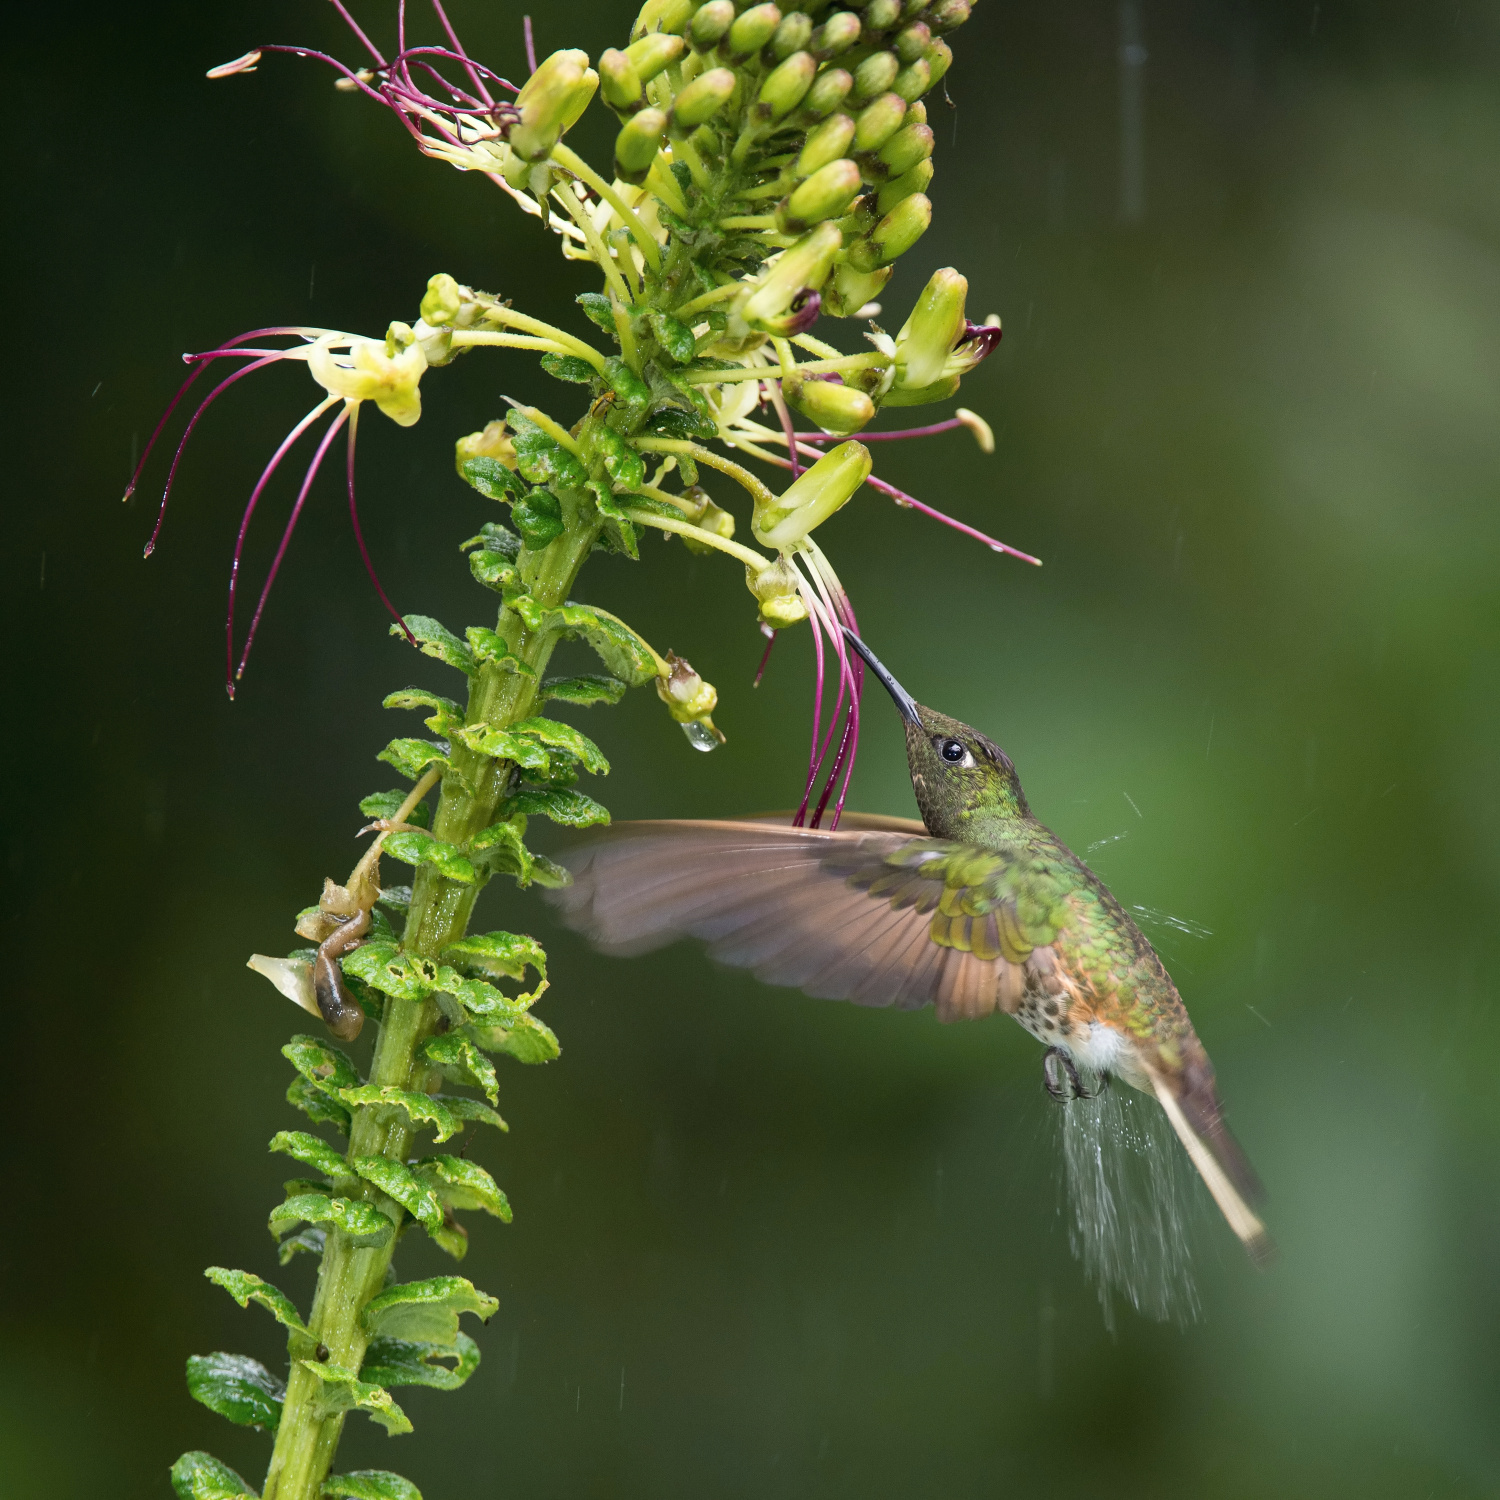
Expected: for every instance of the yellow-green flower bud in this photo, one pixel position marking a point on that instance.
(690, 700)
(442, 301)
(837, 34)
(881, 15)
(786, 84)
(494, 442)
(620, 83)
(878, 121)
(915, 181)
(703, 98)
(830, 89)
(849, 289)
(550, 101)
(894, 235)
(825, 143)
(637, 144)
(916, 113)
(939, 60)
(775, 589)
(711, 519)
(825, 195)
(810, 499)
(912, 8)
(913, 80)
(934, 327)
(909, 145)
(653, 53)
(940, 390)
(913, 42)
(792, 35)
(751, 31)
(711, 22)
(806, 264)
(875, 75)
(663, 15)
(947, 15)
(835, 408)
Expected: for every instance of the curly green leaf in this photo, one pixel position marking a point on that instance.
(246, 1287)
(427, 1311)
(237, 1388)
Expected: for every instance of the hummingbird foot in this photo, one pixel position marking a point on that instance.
(1060, 1077)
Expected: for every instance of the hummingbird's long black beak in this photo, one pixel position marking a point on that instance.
(904, 700)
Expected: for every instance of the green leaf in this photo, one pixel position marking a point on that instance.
(675, 338)
(413, 697)
(548, 874)
(236, 1387)
(246, 1287)
(317, 1106)
(461, 1183)
(621, 462)
(200, 1476)
(501, 955)
(526, 1039)
(452, 1239)
(681, 423)
(427, 1311)
(413, 757)
(503, 745)
(420, 1109)
(463, 1062)
(504, 849)
(541, 458)
(387, 969)
(343, 1391)
(436, 640)
(399, 1184)
(472, 1111)
(323, 1066)
(570, 808)
(364, 1224)
(568, 367)
(397, 897)
(598, 309)
(538, 517)
(622, 651)
(409, 1362)
(493, 570)
(388, 804)
(419, 848)
(491, 478)
(307, 1241)
(631, 392)
(311, 1151)
(370, 1484)
(489, 645)
(493, 537)
(564, 737)
(584, 690)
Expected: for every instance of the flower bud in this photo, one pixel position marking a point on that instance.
(909, 145)
(550, 101)
(494, 442)
(914, 181)
(934, 327)
(387, 374)
(849, 289)
(939, 60)
(947, 15)
(786, 84)
(877, 122)
(690, 701)
(810, 499)
(825, 195)
(916, 113)
(913, 80)
(442, 301)
(825, 143)
(663, 15)
(833, 406)
(830, 89)
(775, 589)
(875, 75)
(637, 144)
(939, 390)
(894, 235)
(837, 34)
(703, 98)
(711, 22)
(912, 8)
(694, 501)
(751, 31)
(806, 264)
(651, 54)
(619, 81)
(711, 519)
(913, 42)
(881, 15)
(792, 35)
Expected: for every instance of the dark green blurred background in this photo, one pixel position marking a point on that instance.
(765, 1246)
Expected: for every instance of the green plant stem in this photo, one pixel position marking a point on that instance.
(308, 1435)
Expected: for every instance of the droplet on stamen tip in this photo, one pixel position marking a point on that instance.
(148, 549)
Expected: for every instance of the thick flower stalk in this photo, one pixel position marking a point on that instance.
(770, 168)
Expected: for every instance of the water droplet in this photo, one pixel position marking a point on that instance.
(699, 737)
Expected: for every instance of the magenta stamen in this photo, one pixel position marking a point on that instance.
(332, 62)
(359, 535)
(286, 536)
(778, 400)
(800, 815)
(883, 437)
(458, 47)
(816, 611)
(760, 671)
(530, 43)
(908, 502)
(353, 26)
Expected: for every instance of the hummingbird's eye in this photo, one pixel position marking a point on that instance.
(952, 751)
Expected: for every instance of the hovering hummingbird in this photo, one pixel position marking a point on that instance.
(979, 907)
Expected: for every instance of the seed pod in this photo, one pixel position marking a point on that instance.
(793, 35)
(711, 22)
(825, 195)
(830, 89)
(703, 98)
(880, 15)
(909, 145)
(947, 15)
(663, 15)
(875, 75)
(620, 83)
(837, 34)
(834, 407)
(913, 42)
(894, 235)
(914, 181)
(550, 101)
(849, 289)
(825, 143)
(751, 32)
(786, 85)
(653, 53)
(939, 60)
(637, 144)
(913, 80)
(878, 121)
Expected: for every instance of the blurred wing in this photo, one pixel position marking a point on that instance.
(877, 915)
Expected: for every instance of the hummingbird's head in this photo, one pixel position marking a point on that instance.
(963, 779)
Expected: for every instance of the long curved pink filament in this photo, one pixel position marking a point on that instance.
(359, 535)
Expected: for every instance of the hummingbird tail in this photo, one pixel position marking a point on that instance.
(1193, 1108)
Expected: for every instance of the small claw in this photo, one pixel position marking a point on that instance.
(1060, 1077)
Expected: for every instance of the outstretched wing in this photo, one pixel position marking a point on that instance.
(874, 914)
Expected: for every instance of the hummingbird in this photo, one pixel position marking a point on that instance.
(977, 908)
